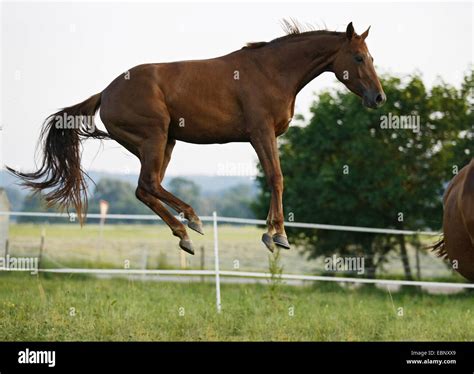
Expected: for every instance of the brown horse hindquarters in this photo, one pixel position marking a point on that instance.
(467, 201)
(135, 114)
(457, 222)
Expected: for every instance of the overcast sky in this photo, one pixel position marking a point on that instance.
(58, 54)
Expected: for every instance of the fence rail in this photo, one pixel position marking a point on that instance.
(248, 221)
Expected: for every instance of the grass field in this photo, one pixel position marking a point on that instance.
(78, 308)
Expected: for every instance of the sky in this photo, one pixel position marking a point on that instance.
(57, 54)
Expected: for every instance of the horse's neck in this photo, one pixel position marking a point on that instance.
(298, 62)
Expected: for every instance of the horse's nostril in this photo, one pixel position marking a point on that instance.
(379, 99)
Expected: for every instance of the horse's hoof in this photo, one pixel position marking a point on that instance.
(196, 226)
(186, 245)
(268, 241)
(281, 241)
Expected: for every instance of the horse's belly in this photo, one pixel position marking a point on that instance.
(207, 125)
(192, 131)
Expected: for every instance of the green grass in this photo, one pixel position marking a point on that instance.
(38, 308)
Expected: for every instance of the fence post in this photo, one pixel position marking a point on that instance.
(41, 249)
(216, 261)
(203, 261)
(418, 266)
(7, 248)
(144, 262)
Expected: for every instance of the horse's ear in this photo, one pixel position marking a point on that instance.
(350, 31)
(365, 34)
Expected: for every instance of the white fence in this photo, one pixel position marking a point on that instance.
(217, 273)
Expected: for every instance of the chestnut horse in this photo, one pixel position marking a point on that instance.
(458, 223)
(245, 96)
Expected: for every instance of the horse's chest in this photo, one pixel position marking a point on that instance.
(283, 120)
(282, 126)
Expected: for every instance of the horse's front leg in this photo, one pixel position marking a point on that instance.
(265, 145)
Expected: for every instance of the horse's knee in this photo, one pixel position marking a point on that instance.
(141, 195)
(276, 181)
(277, 221)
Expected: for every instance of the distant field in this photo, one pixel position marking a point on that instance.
(154, 245)
(78, 308)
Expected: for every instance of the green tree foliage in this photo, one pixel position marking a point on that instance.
(186, 190)
(35, 202)
(231, 202)
(457, 116)
(120, 195)
(343, 168)
(234, 202)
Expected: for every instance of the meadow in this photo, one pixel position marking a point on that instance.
(79, 308)
(67, 307)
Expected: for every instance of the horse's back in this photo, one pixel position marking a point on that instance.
(200, 97)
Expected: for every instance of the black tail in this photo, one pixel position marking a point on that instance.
(60, 172)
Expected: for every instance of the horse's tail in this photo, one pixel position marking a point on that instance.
(60, 173)
(439, 248)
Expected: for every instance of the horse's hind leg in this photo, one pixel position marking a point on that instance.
(174, 224)
(166, 158)
(168, 198)
(180, 206)
(149, 186)
(145, 195)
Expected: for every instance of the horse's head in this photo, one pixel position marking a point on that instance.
(353, 66)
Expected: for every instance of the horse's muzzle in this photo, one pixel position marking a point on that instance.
(374, 99)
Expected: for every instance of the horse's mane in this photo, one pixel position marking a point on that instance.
(292, 29)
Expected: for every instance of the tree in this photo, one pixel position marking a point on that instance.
(457, 116)
(35, 202)
(344, 168)
(235, 202)
(120, 195)
(186, 190)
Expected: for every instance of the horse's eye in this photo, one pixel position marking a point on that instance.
(358, 58)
